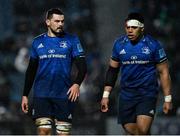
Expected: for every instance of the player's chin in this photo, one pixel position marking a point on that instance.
(59, 30)
(132, 38)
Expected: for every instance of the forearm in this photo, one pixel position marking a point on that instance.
(165, 83)
(111, 76)
(166, 86)
(110, 80)
(82, 69)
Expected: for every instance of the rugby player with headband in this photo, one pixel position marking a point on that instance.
(140, 59)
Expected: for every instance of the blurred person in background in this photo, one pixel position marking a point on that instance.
(49, 72)
(139, 58)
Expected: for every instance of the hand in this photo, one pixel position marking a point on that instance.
(104, 104)
(73, 92)
(24, 104)
(167, 106)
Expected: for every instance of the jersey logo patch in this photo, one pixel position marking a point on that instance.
(145, 50)
(134, 57)
(51, 51)
(70, 116)
(33, 112)
(151, 112)
(162, 53)
(122, 51)
(79, 47)
(40, 46)
(63, 44)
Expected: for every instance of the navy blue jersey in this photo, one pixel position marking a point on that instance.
(138, 66)
(55, 55)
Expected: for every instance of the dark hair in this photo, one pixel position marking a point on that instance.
(52, 11)
(136, 16)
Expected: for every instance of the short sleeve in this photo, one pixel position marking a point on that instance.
(77, 49)
(160, 54)
(115, 54)
(33, 53)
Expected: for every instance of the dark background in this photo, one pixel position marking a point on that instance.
(97, 23)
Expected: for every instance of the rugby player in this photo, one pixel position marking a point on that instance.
(49, 72)
(140, 59)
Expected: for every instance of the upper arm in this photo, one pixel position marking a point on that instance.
(77, 49)
(114, 64)
(163, 67)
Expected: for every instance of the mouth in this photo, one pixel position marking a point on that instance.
(131, 36)
(59, 29)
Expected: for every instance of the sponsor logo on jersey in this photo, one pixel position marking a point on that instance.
(134, 57)
(145, 50)
(51, 51)
(40, 46)
(135, 62)
(63, 44)
(122, 51)
(61, 56)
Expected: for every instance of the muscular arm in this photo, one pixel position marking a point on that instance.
(29, 79)
(73, 91)
(111, 77)
(80, 63)
(165, 80)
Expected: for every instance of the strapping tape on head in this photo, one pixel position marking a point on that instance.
(134, 22)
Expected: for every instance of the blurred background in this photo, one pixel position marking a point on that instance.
(97, 23)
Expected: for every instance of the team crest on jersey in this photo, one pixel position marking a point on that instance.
(63, 44)
(145, 50)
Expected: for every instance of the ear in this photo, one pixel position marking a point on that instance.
(47, 22)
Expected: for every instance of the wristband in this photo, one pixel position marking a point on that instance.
(168, 98)
(106, 94)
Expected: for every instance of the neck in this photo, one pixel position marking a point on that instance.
(53, 34)
(137, 40)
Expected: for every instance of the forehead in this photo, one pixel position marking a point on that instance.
(134, 23)
(57, 17)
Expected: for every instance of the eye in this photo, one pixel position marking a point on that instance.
(134, 27)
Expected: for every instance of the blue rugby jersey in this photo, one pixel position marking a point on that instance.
(138, 66)
(55, 54)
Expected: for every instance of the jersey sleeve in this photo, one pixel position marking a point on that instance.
(115, 54)
(33, 53)
(160, 54)
(77, 49)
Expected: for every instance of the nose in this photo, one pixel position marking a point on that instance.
(60, 23)
(130, 29)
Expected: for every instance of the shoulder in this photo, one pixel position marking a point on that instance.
(39, 37)
(121, 40)
(150, 40)
(71, 36)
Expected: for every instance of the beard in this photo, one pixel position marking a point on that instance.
(57, 33)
